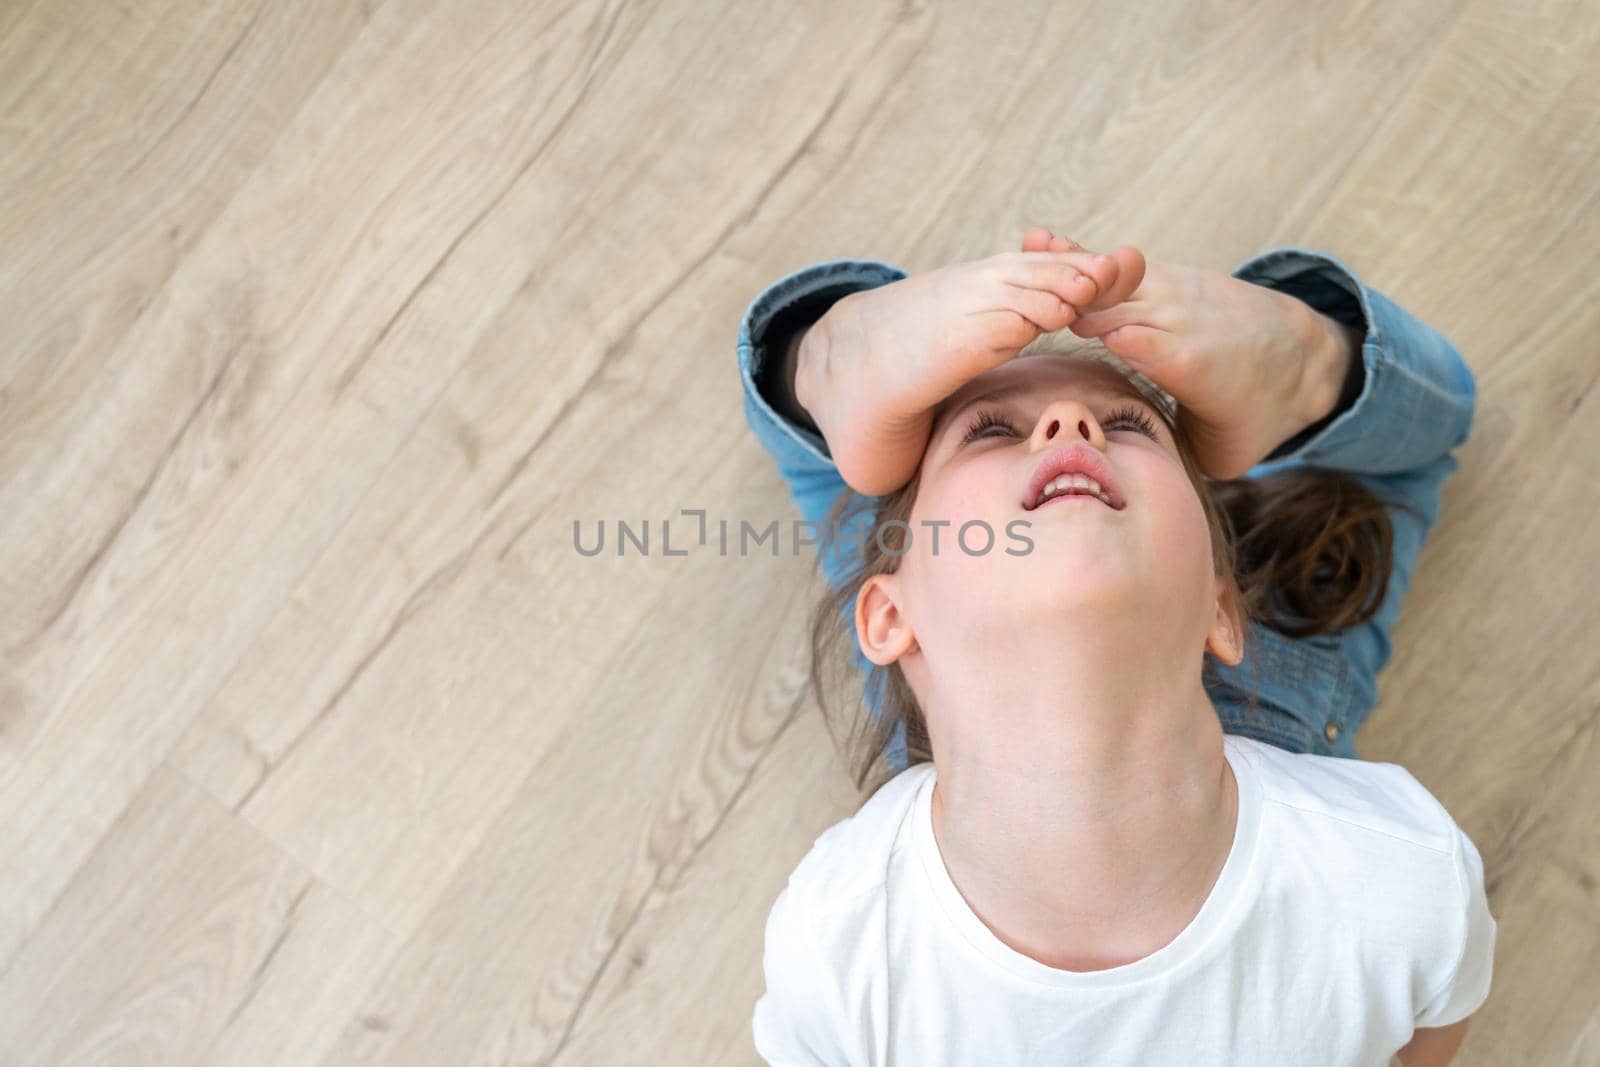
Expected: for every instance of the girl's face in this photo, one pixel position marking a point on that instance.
(1145, 567)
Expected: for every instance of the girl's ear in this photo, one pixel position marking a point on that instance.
(1225, 639)
(882, 630)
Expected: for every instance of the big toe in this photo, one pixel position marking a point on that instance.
(1128, 266)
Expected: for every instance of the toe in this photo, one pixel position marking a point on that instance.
(1104, 272)
(1084, 288)
(1036, 240)
(1118, 273)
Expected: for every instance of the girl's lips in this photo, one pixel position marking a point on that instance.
(1076, 458)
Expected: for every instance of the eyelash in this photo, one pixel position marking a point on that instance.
(1138, 420)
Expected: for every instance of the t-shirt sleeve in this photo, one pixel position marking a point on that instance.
(1467, 985)
(798, 1020)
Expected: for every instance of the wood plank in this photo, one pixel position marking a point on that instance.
(245, 449)
(187, 938)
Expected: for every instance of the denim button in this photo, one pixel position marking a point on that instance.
(1331, 731)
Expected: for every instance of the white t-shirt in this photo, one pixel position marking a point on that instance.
(1350, 911)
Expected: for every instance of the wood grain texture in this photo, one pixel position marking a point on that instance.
(321, 323)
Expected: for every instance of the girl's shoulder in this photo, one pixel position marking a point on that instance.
(1377, 797)
(852, 857)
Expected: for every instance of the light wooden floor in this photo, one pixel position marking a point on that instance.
(321, 322)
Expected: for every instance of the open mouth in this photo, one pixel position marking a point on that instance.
(1073, 487)
(1074, 471)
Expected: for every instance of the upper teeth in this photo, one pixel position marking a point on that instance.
(1067, 482)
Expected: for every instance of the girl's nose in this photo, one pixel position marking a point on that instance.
(1068, 420)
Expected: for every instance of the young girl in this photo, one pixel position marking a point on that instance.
(1124, 822)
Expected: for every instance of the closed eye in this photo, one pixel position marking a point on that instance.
(1130, 418)
(986, 421)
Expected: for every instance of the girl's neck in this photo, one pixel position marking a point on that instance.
(1083, 812)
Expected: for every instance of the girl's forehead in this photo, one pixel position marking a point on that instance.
(1043, 371)
(1049, 368)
